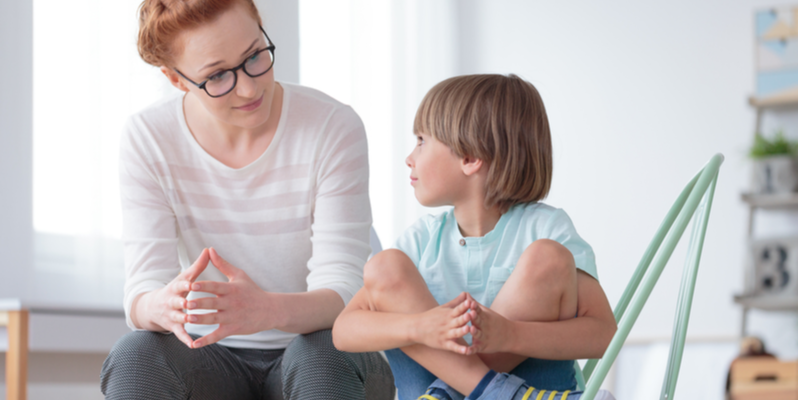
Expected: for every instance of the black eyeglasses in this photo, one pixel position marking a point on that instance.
(223, 82)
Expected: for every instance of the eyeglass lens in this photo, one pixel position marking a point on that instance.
(223, 82)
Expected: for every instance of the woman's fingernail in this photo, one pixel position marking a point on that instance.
(196, 287)
(192, 318)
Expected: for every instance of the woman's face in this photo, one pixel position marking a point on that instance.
(224, 44)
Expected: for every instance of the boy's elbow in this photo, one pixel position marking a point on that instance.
(605, 336)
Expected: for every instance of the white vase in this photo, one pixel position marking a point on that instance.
(775, 174)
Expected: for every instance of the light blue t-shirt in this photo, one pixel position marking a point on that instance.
(451, 263)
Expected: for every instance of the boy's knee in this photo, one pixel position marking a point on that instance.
(386, 270)
(546, 260)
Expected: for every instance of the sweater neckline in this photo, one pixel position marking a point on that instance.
(184, 126)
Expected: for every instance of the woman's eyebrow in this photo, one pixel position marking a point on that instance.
(220, 61)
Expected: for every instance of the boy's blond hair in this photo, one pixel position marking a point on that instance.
(500, 120)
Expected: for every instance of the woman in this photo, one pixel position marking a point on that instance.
(264, 185)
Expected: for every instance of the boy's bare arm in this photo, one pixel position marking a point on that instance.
(360, 328)
(586, 336)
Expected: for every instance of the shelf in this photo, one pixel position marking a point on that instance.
(781, 99)
(767, 302)
(770, 201)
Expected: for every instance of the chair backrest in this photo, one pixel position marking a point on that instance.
(695, 200)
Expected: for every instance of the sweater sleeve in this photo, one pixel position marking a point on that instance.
(149, 227)
(341, 209)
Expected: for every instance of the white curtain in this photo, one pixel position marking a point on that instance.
(381, 57)
(87, 79)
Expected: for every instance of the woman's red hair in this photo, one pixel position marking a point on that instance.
(161, 21)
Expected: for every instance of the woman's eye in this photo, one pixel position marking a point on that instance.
(254, 57)
(420, 140)
(216, 77)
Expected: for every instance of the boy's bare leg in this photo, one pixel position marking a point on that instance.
(394, 285)
(543, 287)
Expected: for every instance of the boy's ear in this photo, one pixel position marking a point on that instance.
(471, 165)
(174, 79)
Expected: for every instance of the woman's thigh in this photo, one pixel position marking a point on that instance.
(313, 368)
(150, 365)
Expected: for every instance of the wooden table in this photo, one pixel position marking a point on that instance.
(15, 319)
(105, 322)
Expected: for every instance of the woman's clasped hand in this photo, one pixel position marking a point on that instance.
(237, 303)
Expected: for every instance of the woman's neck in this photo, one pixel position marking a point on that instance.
(474, 219)
(232, 145)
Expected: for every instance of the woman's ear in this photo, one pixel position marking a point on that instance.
(471, 165)
(174, 79)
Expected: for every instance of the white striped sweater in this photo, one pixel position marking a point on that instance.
(296, 219)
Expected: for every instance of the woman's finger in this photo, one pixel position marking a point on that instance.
(211, 338)
(191, 273)
(212, 287)
(206, 303)
(177, 302)
(180, 287)
(205, 319)
(180, 333)
(223, 266)
(177, 316)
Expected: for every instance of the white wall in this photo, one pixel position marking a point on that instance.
(639, 95)
(16, 172)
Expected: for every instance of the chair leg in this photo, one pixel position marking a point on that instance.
(17, 355)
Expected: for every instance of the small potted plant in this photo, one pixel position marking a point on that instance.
(775, 164)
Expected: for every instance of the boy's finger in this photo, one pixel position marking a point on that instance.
(456, 348)
(454, 302)
(460, 309)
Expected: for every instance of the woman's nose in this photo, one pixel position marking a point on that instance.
(245, 85)
(409, 161)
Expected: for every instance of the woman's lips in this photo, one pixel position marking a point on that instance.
(251, 106)
(413, 180)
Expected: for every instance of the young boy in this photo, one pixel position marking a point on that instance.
(500, 268)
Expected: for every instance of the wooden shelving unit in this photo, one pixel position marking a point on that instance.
(769, 201)
(768, 303)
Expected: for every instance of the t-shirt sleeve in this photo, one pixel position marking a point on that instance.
(413, 240)
(149, 226)
(342, 215)
(560, 229)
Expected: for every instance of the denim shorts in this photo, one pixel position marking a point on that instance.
(411, 379)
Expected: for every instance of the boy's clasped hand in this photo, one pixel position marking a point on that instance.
(445, 327)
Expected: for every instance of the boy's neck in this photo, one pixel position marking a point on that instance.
(474, 219)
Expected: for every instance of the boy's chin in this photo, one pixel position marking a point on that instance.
(425, 202)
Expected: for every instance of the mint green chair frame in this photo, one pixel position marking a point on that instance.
(695, 200)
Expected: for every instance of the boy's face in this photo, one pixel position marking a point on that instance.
(436, 173)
